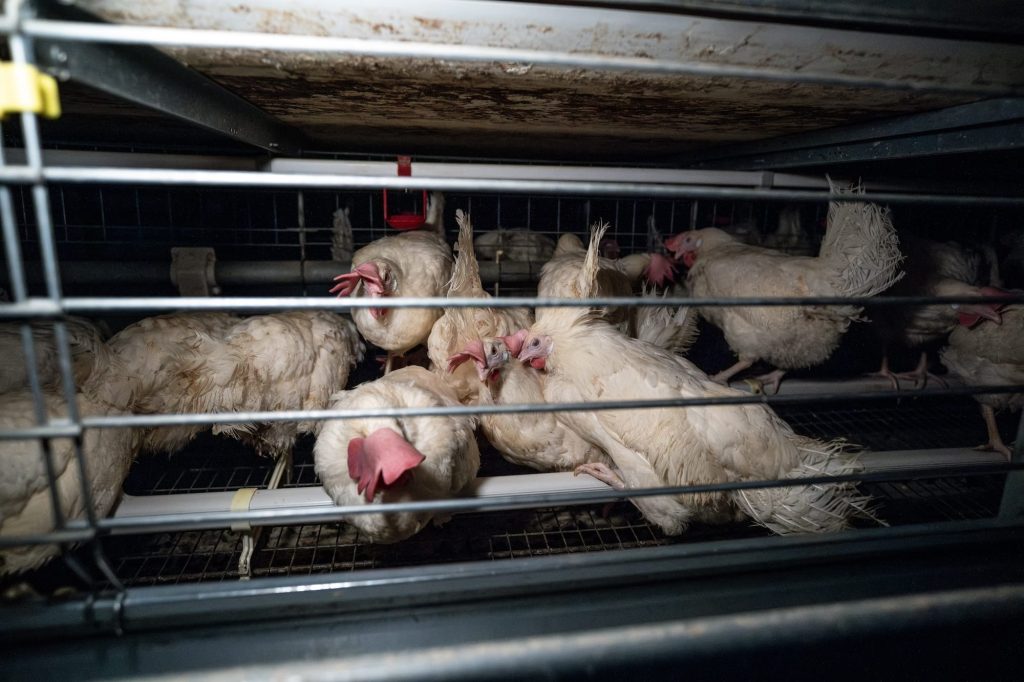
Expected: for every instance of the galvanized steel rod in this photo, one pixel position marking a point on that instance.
(249, 40)
(162, 176)
(37, 308)
(21, 50)
(155, 420)
(19, 292)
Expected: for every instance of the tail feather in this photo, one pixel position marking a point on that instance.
(586, 283)
(816, 508)
(674, 329)
(465, 281)
(862, 244)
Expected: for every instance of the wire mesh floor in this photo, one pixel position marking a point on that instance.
(216, 464)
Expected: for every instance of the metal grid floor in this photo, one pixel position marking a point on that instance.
(214, 464)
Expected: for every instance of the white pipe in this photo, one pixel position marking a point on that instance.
(499, 486)
(854, 385)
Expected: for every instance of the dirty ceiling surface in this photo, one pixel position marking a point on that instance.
(360, 103)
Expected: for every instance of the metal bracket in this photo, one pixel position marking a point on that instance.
(146, 76)
(193, 271)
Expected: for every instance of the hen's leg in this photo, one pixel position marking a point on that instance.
(887, 373)
(726, 374)
(920, 374)
(773, 379)
(388, 362)
(601, 472)
(995, 441)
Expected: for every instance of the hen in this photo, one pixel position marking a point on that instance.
(514, 245)
(536, 440)
(363, 461)
(25, 501)
(84, 338)
(285, 361)
(859, 257)
(559, 278)
(459, 326)
(586, 359)
(141, 361)
(990, 353)
(417, 263)
(931, 269)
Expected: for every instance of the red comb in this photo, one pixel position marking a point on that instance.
(515, 341)
(382, 458)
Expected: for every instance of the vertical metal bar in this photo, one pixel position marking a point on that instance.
(694, 210)
(300, 202)
(20, 49)
(529, 212)
(19, 292)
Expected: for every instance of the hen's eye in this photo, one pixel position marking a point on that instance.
(535, 342)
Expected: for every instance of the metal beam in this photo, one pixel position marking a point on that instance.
(994, 20)
(990, 125)
(146, 76)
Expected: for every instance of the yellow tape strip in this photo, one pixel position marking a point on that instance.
(240, 502)
(24, 88)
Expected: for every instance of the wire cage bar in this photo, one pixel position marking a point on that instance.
(194, 547)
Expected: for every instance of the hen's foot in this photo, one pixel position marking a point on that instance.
(761, 384)
(920, 374)
(919, 377)
(601, 472)
(997, 446)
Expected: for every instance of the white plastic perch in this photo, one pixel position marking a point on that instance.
(499, 486)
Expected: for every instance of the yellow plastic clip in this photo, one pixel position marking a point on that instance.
(240, 501)
(24, 88)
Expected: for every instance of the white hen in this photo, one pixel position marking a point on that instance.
(560, 277)
(25, 502)
(587, 359)
(459, 326)
(417, 263)
(144, 358)
(364, 461)
(990, 353)
(285, 361)
(859, 257)
(536, 440)
(84, 338)
(931, 269)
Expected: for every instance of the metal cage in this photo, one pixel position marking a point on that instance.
(147, 569)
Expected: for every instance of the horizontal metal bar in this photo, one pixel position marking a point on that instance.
(701, 642)
(1001, 19)
(162, 176)
(294, 516)
(228, 273)
(989, 138)
(778, 151)
(68, 535)
(154, 420)
(41, 308)
(187, 37)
